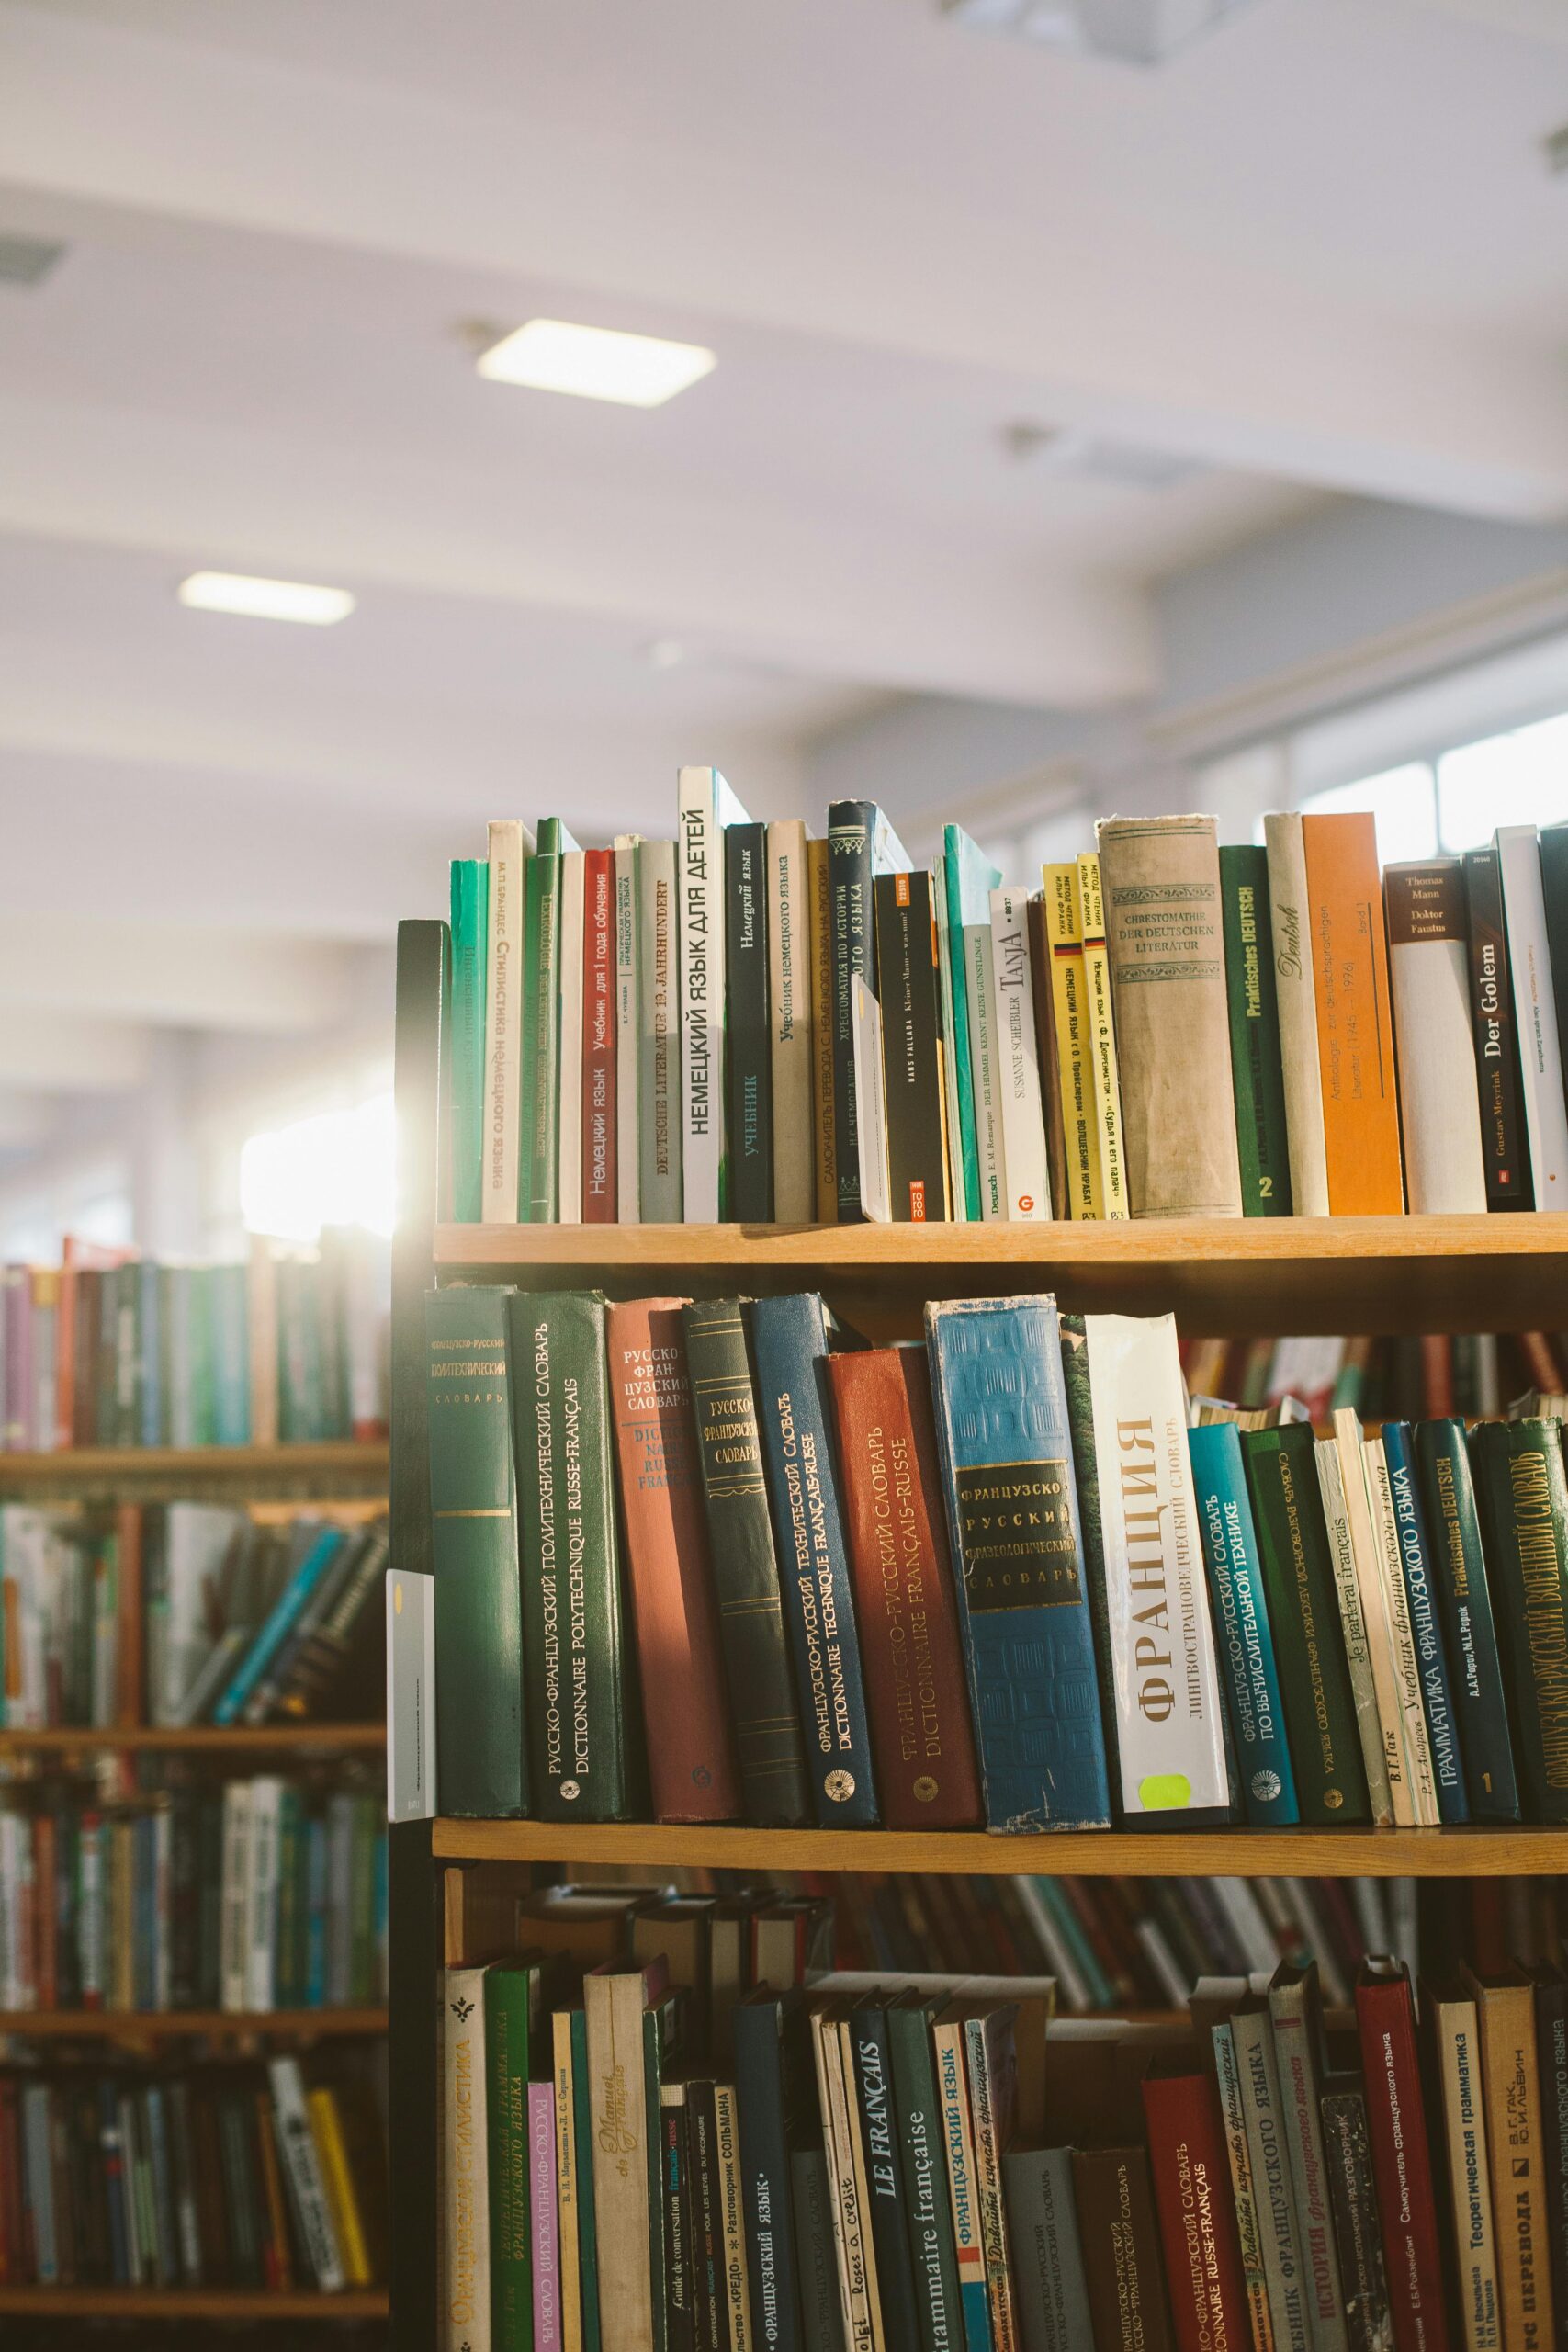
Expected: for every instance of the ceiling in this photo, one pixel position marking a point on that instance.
(1318, 257)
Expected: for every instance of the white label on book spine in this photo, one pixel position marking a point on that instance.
(1168, 1723)
(504, 1022)
(1016, 1062)
(628, 1033)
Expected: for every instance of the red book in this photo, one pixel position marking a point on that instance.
(691, 1750)
(1402, 2170)
(128, 1618)
(1197, 2214)
(896, 1529)
(46, 1874)
(599, 1145)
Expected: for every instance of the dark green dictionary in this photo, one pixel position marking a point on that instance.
(1464, 1603)
(1518, 1467)
(745, 1565)
(1303, 1609)
(538, 1170)
(581, 1710)
(933, 2255)
(1085, 1469)
(479, 1760)
(510, 1996)
(470, 931)
(1258, 1076)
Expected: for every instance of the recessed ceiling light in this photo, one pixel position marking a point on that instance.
(266, 599)
(597, 363)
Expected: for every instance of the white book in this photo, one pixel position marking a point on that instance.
(1353, 1631)
(1429, 971)
(628, 1032)
(659, 1048)
(980, 997)
(300, 2162)
(1366, 1551)
(1406, 1661)
(568, 1133)
(1016, 1070)
(1288, 911)
(871, 1125)
(1169, 1723)
(1535, 1013)
(261, 1902)
(198, 1537)
(1071, 1986)
(411, 1696)
(234, 1914)
(706, 806)
(510, 846)
(790, 1009)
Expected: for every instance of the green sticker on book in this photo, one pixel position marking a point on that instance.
(1165, 1791)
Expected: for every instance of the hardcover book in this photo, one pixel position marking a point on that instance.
(625, 2178)
(1258, 1077)
(1535, 1013)
(931, 2247)
(1505, 2017)
(1064, 925)
(1104, 1059)
(749, 1078)
(1376, 1591)
(871, 2084)
(1428, 965)
(1203, 2261)
(1360, 1104)
(1432, 1665)
(466, 2247)
(912, 1074)
(958, 2139)
(601, 1139)
(1241, 1627)
(1401, 2164)
(1045, 1047)
(504, 880)
(971, 878)
(1085, 1470)
(860, 844)
(1042, 2228)
(628, 1032)
(1520, 1473)
(538, 1152)
(1278, 2227)
(1243, 2194)
(659, 1034)
(470, 973)
(1120, 2234)
(790, 1020)
(1352, 2197)
(1016, 1076)
(1290, 925)
(707, 806)
(1353, 1627)
(963, 1163)
(820, 903)
(1296, 2021)
(1506, 1151)
(1551, 1988)
(508, 1990)
(1408, 1689)
(1456, 2041)
(568, 1108)
(773, 2090)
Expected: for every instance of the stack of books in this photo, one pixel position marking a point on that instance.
(111, 1350)
(188, 1612)
(746, 1022)
(268, 2176)
(1016, 1576)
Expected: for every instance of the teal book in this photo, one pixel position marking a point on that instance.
(1242, 1633)
(470, 929)
(1257, 1076)
(511, 1995)
(278, 1624)
(581, 1717)
(479, 1750)
(1458, 1564)
(230, 1355)
(1519, 1475)
(539, 1190)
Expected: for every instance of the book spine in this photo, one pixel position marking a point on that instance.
(1242, 1628)
(568, 2252)
(471, 980)
(1553, 846)
(1258, 1076)
(761, 1695)
(1429, 978)
(582, 2117)
(1347, 2155)
(1007, 1460)
(1442, 1732)
(912, 1071)
(1016, 1077)
(1353, 1626)
(506, 879)
(675, 2193)
(1302, 2127)
(1457, 1568)
(869, 2086)
(1086, 1471)
(1505, 1150)
(1291, 925)
(820, 908)
(1122, 2265)
(572, 1017)
(1459, 2072)
(1104, 1068)
(1353, 1496)
(478, 1672)
(308, 2191)
(700, 870)
(625, 2178)
(1052, 2295)
(1187, 2160)
(854, 2257)
(278, 1624)
(732, 2213)
(921, 2144)
(958, 1069)
(849, 827)
(1047, 1053)
(958, 2139)
(601, 1143)
(659, 1034)
(545, 2245)
(1535, 1014)
(505, 1992)
(1360, 1105)
(1551, 2066)
(748, 1066)
(1278, 2228)
(1519, 1471)
(1063, 923)
(539, 1168)
(762, 2099)
(790, 1020)
(1243, 2199)
(628, 1033)
(1407, 1664)
(1401, 2166)
(991, 2065)
(813, 2242)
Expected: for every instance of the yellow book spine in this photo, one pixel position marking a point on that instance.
(1102, 1041)
(571, 2256)
(1064, 931)
(327, 2130)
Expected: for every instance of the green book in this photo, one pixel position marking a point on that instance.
(582, 2136)
(968, 878)
(199, 1308)
(932, 2252)
(1524, 1497)
(1086, 1472)
(470, 933)
(480, 1765)
(1257, 1076)
(1303, 1611)
(511, 1996)
(538, 1188)
(574, 1647)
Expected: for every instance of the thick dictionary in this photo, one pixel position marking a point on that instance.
(1203, 2261)
(1401, 2168)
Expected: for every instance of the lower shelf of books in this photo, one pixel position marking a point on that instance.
(187, 2302)
(1518, 1851)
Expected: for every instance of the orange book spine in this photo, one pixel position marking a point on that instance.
(1355, 1024)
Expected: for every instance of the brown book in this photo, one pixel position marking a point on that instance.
(1119, 2240)
(820, 903)
(896, 1530)
(1160, 880)
(1049, 1058)
(1516, 2149)
(690, 1751)
(1428, 962)
(1355, 1025)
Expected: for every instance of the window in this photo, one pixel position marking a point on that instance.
(333, 1169)
(1455, 800)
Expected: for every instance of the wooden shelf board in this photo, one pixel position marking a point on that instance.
(136, 2025)
(203, 1739)
(337, 1469)
(191, 2302)
(1221, 1275)
(1212, 1853)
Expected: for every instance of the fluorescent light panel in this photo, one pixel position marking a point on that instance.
(596, 363)
(266, 599)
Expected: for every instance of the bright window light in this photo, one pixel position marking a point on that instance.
(1520, 779)
(597, 363)
(335, 1168)
(266, 599)
(1403, 800)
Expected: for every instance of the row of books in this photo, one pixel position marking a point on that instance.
(239, 2176)
(188, 1612)
(1405, 1376)
(997, 1578)
(111, 1350)
(746, 1022)
(249, 1895)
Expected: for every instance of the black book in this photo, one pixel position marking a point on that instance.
(1346, 2158)
(749, 1078)
(860, 844)
(680, 2334)
(821, 2312)
(876, 2113)
(710, 2316)
(773, 2078)
(1496, 1037)
(908, 993)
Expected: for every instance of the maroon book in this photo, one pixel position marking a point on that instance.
(599, 1158)
(911, 1649)
(1402, 2169)
(1194, 2200)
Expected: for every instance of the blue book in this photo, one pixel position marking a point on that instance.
(1012, 1507)
(1447, 1767)
(1242, 1633)
(281, 1617)
(789, 1346)
(773, 2085)
(1457, 1564)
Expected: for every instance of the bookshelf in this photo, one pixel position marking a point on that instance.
(1223, 1278)
(343, 1471)
(143, 2025)
(189, 2302)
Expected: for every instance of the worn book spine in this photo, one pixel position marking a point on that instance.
(789, 1021)
(1243, 2195)
(1458, 1566)
(1007, 1456)
(625, 2173)
(931, 2247)
(601, 1141)
(761, 1692)
(580, 1734)
(748, 1079)
(1354, 1631)
(1298, 1579)
(707, 806)
(504, 879)
(538, 1163)
(1429, 964)
(1355, 1030)
(820, 908)
(1042, 2230)
(854, 2255)
(908, 983)
(1504, 2016)
(880, 2129)
(691, 1753)
(478, 1672)
(1401, 2165)
(1294, 2020)
(991, 2065)
(628, 1032)
(1278, 2231)
(506, 1993)
(582, 2122)
(1120, 2236)
(1535, 1013)
(1202, 2260)
(1160, 879)
(955, 1009)
(1456, 2039)
(659, 1034)
(1410, 1696)
(1290, 927)
(957, 1116)
(1520, 1473)
(1064, 924)
(1352, 2197)
(1241, 1627)
(732, 2214)
(1049, 1059)
(465, 2143)
(1373, 1588)
(1109, 1132)
(1017, 1065)
(1415, 1552)
(1258, 1075)
(1505, 1149)
(470, 974)
(570, 961)
(789, 1346)
(769, 2054)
